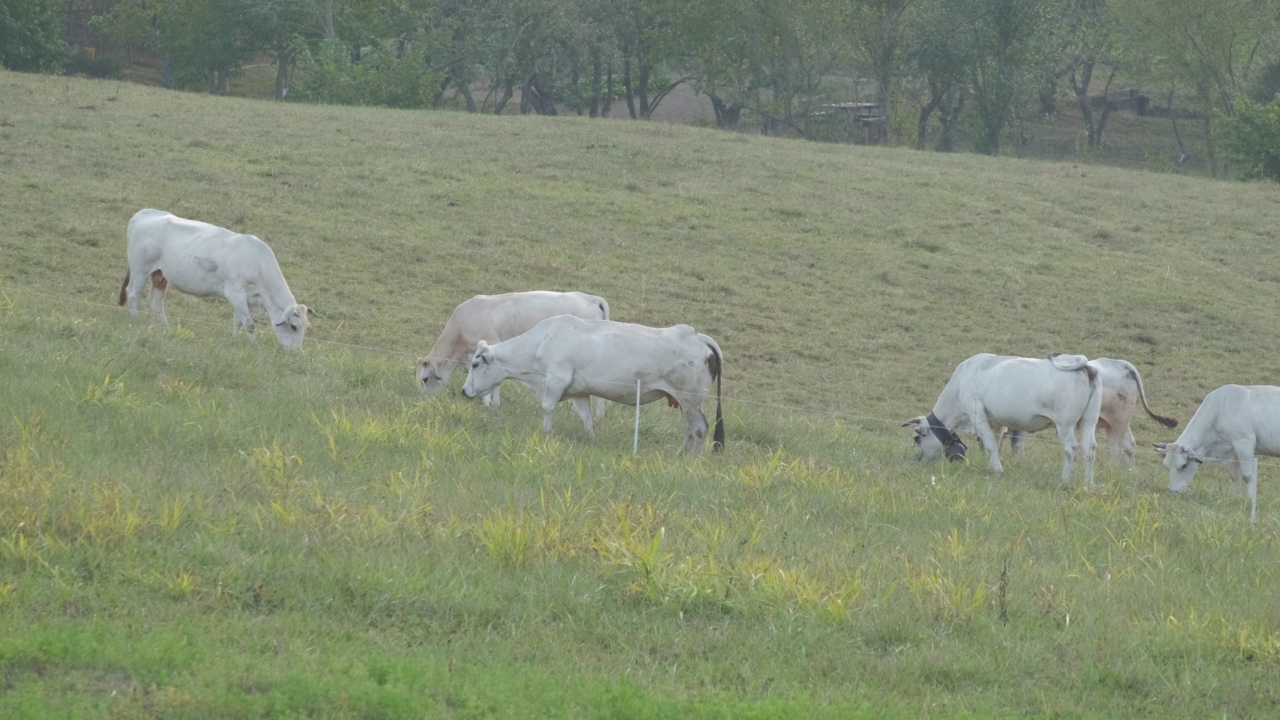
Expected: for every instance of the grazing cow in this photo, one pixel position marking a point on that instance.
(989, 392)
(494, 318)
(202, 259)
(566, 357)
(1233, 426)
(1122, 389)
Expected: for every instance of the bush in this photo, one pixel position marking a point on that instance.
(94, 66)
(31, 36)
(1251, 139)
(327, 74)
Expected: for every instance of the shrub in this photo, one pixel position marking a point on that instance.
(31, 36)
(393, 78)
(1251, 139)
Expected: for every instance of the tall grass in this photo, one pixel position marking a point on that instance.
(196, 525)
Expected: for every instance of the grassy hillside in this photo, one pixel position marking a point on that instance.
(198, 526)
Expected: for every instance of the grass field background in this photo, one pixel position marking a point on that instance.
(198, 526)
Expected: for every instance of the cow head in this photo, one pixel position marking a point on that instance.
(484, 374)
(293, 327)
(1182, 464)
(433, 374)
(934, 441)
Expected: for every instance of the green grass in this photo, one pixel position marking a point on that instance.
(198, 526)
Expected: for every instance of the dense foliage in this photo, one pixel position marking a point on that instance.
(30, 36)
(945, 74)
(1252, 139)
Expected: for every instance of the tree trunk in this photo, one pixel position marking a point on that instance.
(283, 55)
(526, 91)
(167, 76)
(949, 118)
(437, 98)
(1049, 98)
(608, 92)
(922, 124)
(508, 90)
(885, 82)
(643, 91)
(626, 87)
(727, 116)
(465, 88)
(329, 32)
(597, 76)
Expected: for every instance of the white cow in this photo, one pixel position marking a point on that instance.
(1233, 426)
(1122, 389)
(203, 259)
(989, 392)
(494, 318)
(566, 357)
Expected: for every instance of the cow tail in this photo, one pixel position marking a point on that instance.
(1093, 378)
(1094, 384)
(715, 364)
(124, 286)
(1142, 395)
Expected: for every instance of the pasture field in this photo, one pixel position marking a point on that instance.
(198, 526)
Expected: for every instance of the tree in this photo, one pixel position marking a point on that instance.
(1210, 48)
(1092, 44)
(646, 38)
(277, 25)
(31, 36)
(880, 32)
(767, 57)
(1008, 39)
(945, 61)
(1251, 138)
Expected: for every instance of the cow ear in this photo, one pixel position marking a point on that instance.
(1162, 448)
(307, 311)
(913, 421)
(482, 346)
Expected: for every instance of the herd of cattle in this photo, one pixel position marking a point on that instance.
(563, 346)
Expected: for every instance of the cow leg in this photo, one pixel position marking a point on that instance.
(1119, 441)
(552, 393)
(582, 406)
(696, 424)
(549, 403)
(240, 315)
(598, 403)
(137, 281)
(1128, 448)
(494, 398)
(1248, 465)
(991, 444)
(1017, 439)
(156, 296)
(1067, 434)
(1237, 477)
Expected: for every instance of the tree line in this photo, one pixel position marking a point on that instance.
(936, 73)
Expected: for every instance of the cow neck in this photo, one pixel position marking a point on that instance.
(940, 431)
(278, 311)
